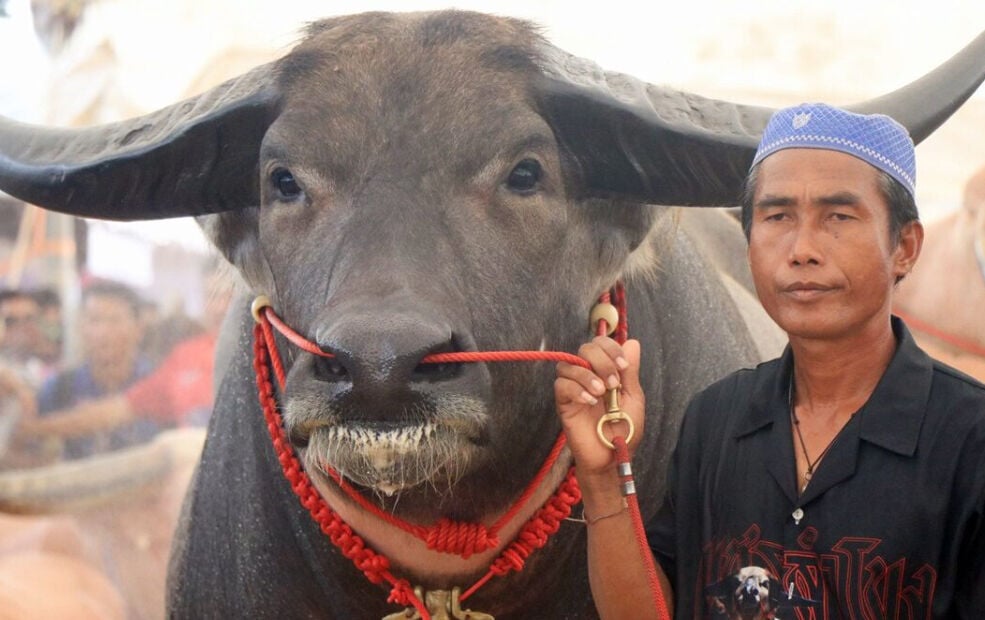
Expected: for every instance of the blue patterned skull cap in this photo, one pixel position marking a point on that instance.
(874, 138)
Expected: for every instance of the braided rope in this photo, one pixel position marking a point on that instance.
(375, 567)
(639, 530)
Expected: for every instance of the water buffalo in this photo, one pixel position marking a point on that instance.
(401, 185)
(943, 298)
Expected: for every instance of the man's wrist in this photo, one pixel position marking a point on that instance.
(600, 493)
(592, 518)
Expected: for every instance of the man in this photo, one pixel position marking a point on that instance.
(179, 391)
(49, 325)
(20, 335)
(110, 334)
(847, 475)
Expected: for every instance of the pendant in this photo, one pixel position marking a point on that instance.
(441, 605)
(807, 480)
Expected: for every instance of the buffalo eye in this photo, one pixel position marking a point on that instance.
(525, 176)
(285, 184)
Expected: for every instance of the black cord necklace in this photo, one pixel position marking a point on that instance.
(809, 472)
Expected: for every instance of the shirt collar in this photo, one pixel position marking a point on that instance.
(891, 418)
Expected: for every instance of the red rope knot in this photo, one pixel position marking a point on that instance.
(463, 539)
(402, 594)
(570, 493)
(512, 559)
(371, 564)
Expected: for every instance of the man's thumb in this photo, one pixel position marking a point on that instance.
(631, 376)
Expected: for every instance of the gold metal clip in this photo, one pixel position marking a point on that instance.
(613, 414)
(442, 605)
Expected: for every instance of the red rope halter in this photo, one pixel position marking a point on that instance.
(463, 539)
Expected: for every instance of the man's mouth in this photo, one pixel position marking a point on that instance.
(806, 290)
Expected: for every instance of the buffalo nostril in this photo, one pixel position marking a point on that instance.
(299, 438)
(330, 369)
(436, 371)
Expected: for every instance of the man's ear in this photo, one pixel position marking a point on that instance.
(907, 250)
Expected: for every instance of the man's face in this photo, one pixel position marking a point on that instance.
(20, 330)
(110, 330)
(819, 246)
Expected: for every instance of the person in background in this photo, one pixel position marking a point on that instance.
(179, 392)
(21, 335)
(162, 333)
(110, 336)
(18, 403)
(21, 370)
(50, 342)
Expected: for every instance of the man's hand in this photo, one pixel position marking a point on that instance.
(579, 394)
(14, 388)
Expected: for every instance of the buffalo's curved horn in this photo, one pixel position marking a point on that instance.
(629, 138)
(194, 157)
(663, 146)
(924, 104)
(99, 479)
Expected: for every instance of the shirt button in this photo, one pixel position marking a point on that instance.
(797, 515)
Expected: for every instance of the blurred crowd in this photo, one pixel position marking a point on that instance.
(135, 372)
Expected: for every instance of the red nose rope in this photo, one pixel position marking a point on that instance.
(446, 536)
(962, 344)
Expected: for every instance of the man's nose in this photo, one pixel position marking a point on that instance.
(804, 248)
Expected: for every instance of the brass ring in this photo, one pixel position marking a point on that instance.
(612, 417)
(261, 302)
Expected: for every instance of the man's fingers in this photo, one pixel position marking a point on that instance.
(612, 366)
(612, 349)
(585, 378)
(567, 391)
(602, 353)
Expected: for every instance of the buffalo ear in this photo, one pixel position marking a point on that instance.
(195, 157)
(657, 145)
(630, 139)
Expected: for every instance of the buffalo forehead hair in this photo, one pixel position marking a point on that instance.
(499, 43)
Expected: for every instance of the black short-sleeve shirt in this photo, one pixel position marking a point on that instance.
(890, 526)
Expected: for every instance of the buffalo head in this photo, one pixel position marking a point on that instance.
(400, 185)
